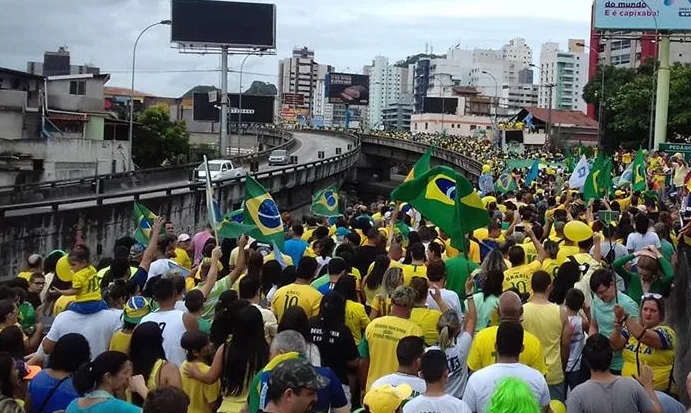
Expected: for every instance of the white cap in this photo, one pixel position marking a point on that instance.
(183, 237)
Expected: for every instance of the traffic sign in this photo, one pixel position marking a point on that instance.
(682, 148)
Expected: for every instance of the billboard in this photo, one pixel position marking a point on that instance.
(346, 88)
(293, 99)
(202, 23)
(255, 109)
(643, 15)
(447, 106)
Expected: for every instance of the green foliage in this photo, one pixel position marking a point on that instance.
(628, 97)
(158, 141)
(261, 89)
(414, 58)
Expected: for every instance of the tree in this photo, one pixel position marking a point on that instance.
(262, 89)
(159, 141)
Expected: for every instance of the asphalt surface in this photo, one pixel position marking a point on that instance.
(306, 149)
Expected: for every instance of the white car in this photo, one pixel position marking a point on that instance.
(279, 157)
(220, 169)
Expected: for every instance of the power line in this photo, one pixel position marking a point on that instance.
(188, 71)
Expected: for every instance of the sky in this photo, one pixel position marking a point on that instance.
(344, 34)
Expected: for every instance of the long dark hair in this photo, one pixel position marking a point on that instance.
(89, 375)
(332, 311)
(374, 278)
(296, 319)
(224, 322)
(146, 347)
(246, 353)
(12, 342)
(567, 275)
(71, 351)
(6, 366)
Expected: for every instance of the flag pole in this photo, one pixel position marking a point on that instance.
(209, 202)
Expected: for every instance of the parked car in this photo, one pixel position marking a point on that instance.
(220, 169)
(279, 157)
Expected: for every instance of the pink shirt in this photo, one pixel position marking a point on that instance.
(198, 241)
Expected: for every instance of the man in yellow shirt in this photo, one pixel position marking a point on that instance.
(550, 324)
(378, 346)
(300, 292)
(417, 266)
(483, 350)
(520, 273)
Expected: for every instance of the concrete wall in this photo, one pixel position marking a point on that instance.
(11, 125)
(94, 128)
(59, 95)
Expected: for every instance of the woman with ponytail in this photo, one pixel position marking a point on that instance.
(110, 373)
(455, 342)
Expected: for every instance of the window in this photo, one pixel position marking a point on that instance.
(473, 127)
(425, 125)
(77, 87)
(453, 125)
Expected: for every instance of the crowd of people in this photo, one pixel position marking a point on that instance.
(556, 305)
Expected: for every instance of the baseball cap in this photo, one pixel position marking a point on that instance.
(297, 374)
(342, 231)
(387, 398)
(136, 250)
(135, 309)
(183, 237)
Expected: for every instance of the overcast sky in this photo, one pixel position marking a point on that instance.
(344, 34)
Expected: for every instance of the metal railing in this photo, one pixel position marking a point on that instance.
(137, 194)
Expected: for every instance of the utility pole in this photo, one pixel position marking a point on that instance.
(224, 102)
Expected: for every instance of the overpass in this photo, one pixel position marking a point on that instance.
(324, 158)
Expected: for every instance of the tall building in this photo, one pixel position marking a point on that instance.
(518, 50)
(58, 64)
(567, 71)
(300, 75)
(387, 84)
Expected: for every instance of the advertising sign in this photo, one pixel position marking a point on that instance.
(682, 148)
(643, 15)
(208, 23)
(255, 109)
(346, 88)
(203, 110)
(293, 99)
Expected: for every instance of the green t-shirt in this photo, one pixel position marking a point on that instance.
(27, 315)
(458, 269)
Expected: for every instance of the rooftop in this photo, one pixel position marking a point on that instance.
(106, 77)
(559, 117)
(19, 73)
(122, 91)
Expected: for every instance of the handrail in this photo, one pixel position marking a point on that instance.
(91, 179)
(136, 194)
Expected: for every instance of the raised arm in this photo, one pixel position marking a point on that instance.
(212, 276)
(471, 312)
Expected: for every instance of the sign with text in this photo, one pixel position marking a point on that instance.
(346, 88)
(643, 15)
(682, 148)
(293, 99)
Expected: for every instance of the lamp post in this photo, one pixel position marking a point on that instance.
(496, 93)
(655, 79)
(601, 106)
(134, 55)
(240, 103)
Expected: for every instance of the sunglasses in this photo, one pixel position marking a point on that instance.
(652, 295)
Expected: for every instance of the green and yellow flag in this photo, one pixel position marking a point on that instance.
(599, 180)
(505, 183)
(261, 210)
(447, 199)
(640, 182)
(325, 202)
(143, 222)
(421, 166)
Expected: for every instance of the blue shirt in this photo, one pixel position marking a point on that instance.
(325, 288)
(296, 249)
(107, 406)
(331, 396)
(603, 313)
(42, 384)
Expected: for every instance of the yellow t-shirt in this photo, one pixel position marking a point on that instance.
(661, 361)
(120, 342)
(520, 277)
(474, 252)
(356, 319)
(544, 322)
(86, 283)
(290, 295)
(550, 266)
(529, 250)
(287, 259)
(200, 394)
(379, 344)
(182, 258)
(427, 319)
(483, 353)
(565, 251)
(624, 203)
(62, 303)
(307, 234)
(410, 271)
(381, 306)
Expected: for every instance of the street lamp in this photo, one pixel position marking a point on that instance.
(496, 93)
(601, 106)
(134, 55)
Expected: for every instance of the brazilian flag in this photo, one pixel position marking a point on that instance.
(505, 183)
(447, 199)
(422, 165)
(640, 182)
(325, 202)
(235, 216)
(261, 210)
(599, 180)
(143, 222)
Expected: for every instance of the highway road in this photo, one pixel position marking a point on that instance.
(306, 149)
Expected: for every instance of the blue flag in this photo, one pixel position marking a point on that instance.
(532, 173)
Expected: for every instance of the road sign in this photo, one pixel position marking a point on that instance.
(682, 148)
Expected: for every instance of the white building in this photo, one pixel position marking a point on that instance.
(515, 97)
(387, 84)
(518, 50)
(567, 71)
(300, 74)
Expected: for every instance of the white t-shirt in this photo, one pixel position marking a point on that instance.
(97, 328)
(158, 267)
(440, 404)
(457, 359)
(636, 241)
(482, 383)
(395, 379)
(173, 328)
(577, 343)
(450, 298)
(180, 305)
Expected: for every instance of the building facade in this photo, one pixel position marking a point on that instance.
(300, 74)
(387, 84)
(567, 71)
(396, 116)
